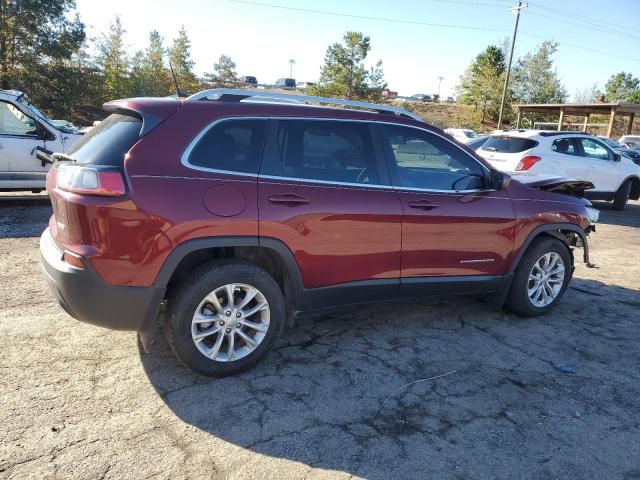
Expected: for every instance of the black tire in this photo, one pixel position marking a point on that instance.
(622, 195)
(186, 297)
(518, 299)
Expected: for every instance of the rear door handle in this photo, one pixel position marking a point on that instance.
(423, 204)
(288, 199)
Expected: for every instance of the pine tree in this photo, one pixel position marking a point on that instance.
(344, 73)
(114, 63)
(182, 64)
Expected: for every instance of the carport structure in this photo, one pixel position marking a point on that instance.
(584, 110)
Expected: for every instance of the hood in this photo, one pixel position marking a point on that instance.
(553, 183)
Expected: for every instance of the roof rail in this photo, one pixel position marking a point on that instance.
(554, 133)
(232, 95)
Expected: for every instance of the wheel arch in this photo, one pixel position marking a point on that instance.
(634, 193)
(270, 254)
(559, 231)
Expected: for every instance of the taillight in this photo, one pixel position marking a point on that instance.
(90, 180)
(527, 162)
(73, 260)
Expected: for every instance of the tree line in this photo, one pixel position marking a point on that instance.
(44, 51)
(534, 79)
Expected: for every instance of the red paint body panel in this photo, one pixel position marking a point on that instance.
(342, 234)
(464, 234)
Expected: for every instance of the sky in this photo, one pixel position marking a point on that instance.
(415, 39)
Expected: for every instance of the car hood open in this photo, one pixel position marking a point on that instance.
(553, 183)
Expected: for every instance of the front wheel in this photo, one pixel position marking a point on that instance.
(622, 195)
(222, 318)
(541, 278)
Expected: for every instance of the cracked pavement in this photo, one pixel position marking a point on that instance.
(81, 402)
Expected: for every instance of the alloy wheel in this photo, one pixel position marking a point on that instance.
(546, 279)
(230, 322)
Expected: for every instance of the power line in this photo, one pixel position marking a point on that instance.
(427, 24)
(366, 17)
(583, 48)
(576, 16)
(587, 25)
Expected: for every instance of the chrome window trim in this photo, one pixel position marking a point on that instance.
(184, 158)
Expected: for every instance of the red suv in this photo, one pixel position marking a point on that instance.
(232, 215)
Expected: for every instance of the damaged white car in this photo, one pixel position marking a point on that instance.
(27, 138)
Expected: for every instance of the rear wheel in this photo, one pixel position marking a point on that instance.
(222, 318)
(541, 278)
(622, 195)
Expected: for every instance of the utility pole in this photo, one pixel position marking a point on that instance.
(291, 63)
(439, 84)
(513, 45)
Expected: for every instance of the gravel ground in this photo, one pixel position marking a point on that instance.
(78, 401)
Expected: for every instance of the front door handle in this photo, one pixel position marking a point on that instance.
(423, 204)
(288, 199)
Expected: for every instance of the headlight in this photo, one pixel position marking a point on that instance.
(592, 214)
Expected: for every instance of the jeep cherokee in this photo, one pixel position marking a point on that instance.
(231, 212)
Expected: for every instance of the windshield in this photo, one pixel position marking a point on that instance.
(612, 143)
(508, 144)
(469, 133)
(65, 127)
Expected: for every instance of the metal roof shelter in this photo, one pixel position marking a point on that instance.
(584, 110)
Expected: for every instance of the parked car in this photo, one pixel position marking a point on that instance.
(422, 97)
(249, 80)
(451, 100)
(25, 132)
(630, 141)
(235, 217)
(570, 154)
(462, 135)
(286, 83)
(621, 148)
(476, 143)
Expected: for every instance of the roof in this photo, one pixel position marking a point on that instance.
(11, 93)
(580, 108)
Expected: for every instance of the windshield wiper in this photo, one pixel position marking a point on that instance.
(490, 149)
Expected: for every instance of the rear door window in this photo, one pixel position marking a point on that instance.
(327, 150)
(231, 145)
(566, 146)
(508, 144)
(108, 142)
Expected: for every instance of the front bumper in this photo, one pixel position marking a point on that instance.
(86, 297)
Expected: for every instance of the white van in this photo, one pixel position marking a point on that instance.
(24, 131)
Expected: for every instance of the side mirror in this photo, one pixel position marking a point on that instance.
(617, 157)
(498, 180)
(43, 132)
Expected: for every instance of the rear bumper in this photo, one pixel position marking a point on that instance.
(86, 297)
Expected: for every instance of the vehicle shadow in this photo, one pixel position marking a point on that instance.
(319, 396)
(22, 217)
(629, 217)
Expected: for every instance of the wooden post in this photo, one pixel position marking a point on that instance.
(586, 120)
(630, 126)
(561, 119)
(612, 120)
(519, 121)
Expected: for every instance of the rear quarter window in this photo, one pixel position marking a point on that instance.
(231, 145)
(508, 144)
(108, 142)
